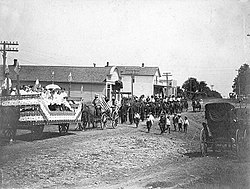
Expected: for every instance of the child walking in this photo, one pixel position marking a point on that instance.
(180, 123)
(186, 124)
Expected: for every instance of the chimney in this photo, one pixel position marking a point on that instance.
(15, 62)
(107, 64)
(94, 64)
(142, 65)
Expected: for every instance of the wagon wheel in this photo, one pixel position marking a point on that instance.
(37, 131)
(203, 144)
(63, 128)
(103, 121)
(9, 133)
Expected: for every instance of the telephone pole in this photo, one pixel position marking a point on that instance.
(6, 47)
(167, 74)
(132, 72)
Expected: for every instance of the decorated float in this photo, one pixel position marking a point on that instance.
(33, 112)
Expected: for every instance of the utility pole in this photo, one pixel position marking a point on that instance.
(70, 79)
(167, 74)
(6, 47)
(133, 72)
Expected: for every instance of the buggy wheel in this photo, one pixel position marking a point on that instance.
(245, 137)
(203, 144)
(237, 142)
(115, 123)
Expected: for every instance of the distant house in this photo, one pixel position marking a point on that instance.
(86, 81)
(171, 88)
(145, 80)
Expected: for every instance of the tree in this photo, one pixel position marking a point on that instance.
(180, 92)
(241, 83)
(190, 86)
(214, 94)
(193, 89)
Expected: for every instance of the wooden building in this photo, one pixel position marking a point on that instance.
(145, 80)
(82, 82)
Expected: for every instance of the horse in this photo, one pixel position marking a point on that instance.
(89, 116)
(185, 105)
(196, 105)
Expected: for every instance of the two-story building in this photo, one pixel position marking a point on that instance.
(140, 80)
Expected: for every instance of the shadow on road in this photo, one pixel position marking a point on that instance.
(46, 135)
(226, 155)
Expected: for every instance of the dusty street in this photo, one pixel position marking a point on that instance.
(125, 157)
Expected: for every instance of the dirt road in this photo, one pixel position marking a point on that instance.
(125, 157)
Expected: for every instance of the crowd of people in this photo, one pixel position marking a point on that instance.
(55, 99)
(150, 108)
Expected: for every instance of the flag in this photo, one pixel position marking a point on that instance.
(17, 68)
(7, 70)
(70, 77)
(104, 105)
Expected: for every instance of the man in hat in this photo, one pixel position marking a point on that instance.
(95, 102)
(175, 121)
(162, 122)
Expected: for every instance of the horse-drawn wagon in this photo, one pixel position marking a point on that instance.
(222, 128)
(103, 114)
(31, 112)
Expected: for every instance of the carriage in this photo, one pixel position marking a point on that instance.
(105, 116)
(223, 129)
(196, 105)
(30, 112)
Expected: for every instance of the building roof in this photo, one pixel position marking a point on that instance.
(142, 71)
(61, 73)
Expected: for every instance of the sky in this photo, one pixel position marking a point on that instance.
(204, 39)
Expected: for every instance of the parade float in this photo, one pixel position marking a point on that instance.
(33, 112)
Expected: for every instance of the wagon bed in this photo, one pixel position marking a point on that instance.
(35, 114)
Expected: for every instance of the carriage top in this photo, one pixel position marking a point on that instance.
(221, 119)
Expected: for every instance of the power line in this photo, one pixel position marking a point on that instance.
(6, 47)
(167, 74)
